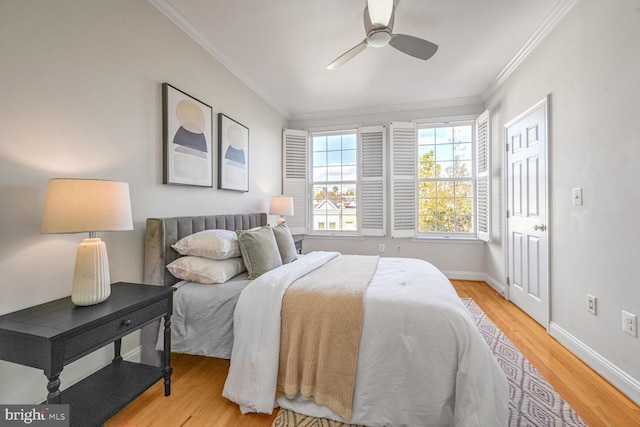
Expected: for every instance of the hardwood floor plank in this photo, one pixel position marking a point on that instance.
(196, 389)
(591, 396)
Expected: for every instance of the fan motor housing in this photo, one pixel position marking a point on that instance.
(379, 37)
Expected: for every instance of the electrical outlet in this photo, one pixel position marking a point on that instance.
(630, 323)
(381, 247)
(397, 249)
(592, 304)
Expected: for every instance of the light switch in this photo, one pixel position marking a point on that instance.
(577, 197)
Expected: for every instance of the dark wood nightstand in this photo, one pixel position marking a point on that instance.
(297, 239)
(52, 335)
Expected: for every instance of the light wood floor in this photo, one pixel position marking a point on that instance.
(197, 382)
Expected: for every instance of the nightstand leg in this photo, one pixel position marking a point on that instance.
(117, 349)
(54, 388)
(167, 356)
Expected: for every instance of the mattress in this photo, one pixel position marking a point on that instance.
(202, 321)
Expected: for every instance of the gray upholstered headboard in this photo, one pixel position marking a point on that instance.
(163, 232)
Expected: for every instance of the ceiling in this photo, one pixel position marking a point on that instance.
(281, 48)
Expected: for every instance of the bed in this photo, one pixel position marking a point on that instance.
(202, 322)
(421, 360)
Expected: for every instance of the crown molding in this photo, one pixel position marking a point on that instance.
(415, 106)
(174, 16)
(555, 16)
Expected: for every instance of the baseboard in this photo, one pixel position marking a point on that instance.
(134, 355)
(469, 275)
(499, 287)
(464, 275)
(616, 376)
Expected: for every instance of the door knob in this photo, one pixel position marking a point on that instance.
(540, 227)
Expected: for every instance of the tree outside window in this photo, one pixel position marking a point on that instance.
(445, 179)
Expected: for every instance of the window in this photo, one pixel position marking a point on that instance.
(445, 179)
(440, 179)
(439, 183)
(334, 181)
(337, 180)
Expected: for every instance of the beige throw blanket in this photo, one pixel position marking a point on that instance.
(322, 316)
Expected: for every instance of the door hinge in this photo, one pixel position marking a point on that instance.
(508, 213)
(506, 146)
(507, 280)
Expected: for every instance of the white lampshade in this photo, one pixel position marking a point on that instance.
(281, 205)
(88, 205)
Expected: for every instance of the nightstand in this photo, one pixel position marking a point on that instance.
(52, 335)
(297, 239)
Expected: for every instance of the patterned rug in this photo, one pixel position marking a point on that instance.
(532, 400)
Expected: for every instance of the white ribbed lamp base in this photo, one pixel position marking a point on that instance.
(91, 281)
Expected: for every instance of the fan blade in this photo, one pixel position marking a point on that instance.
(380, 11)
(368, 26)
(414, 46)
(340, 60)
(391, 20)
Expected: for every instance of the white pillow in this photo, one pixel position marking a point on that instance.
(204, 270)
(212, 244)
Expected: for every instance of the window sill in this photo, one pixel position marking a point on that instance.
(455, 240)
(466, 240)
(334, 236)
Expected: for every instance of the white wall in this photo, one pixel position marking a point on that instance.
(456, 258)
(590, 64)
(80, 96)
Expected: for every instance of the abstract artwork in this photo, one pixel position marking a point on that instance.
(233, 154)
(188, 157)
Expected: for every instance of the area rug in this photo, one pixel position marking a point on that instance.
(532, 400)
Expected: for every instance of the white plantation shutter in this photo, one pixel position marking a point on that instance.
(403, 143)
(294, 177)
(371, 181)
(483, 170)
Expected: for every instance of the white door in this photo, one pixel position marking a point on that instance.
(527, 231)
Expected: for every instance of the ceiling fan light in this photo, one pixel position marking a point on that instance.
(378, 38)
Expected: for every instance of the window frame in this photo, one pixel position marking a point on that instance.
(327, 231)
(403, 175)
(431, 124)
(387, 179)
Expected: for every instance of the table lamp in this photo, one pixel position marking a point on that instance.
(281, 205)
(88, 205)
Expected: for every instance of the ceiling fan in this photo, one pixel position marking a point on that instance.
(378, 25)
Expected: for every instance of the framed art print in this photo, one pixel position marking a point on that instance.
(233, 154)
(187, 132)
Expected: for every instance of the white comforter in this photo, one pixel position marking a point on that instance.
(422, 362)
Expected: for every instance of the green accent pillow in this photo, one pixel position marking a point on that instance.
(286, 245)
(259, 250)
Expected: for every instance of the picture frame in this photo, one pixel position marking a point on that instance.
(233, 154)
(187, 139)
